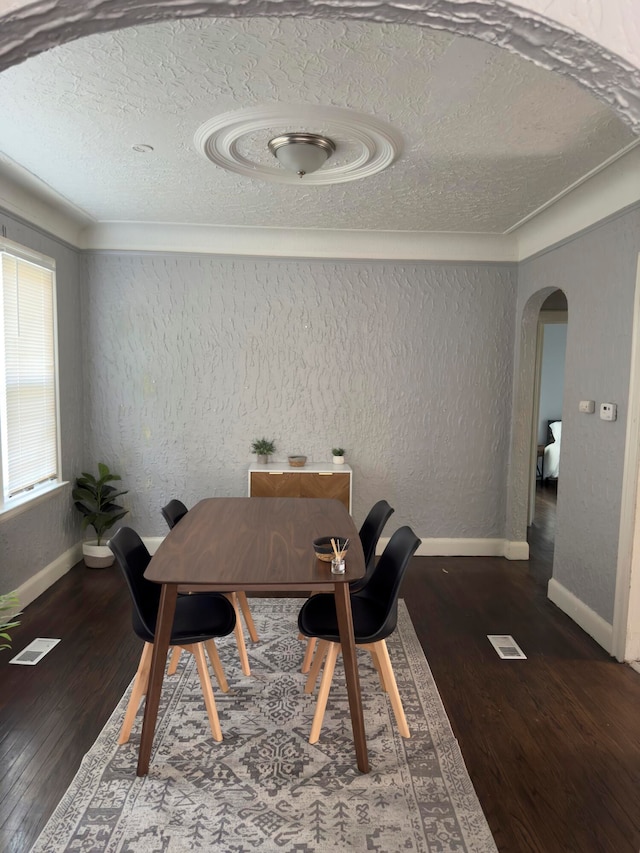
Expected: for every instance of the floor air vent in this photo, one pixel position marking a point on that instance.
(35, 651)
(506, 647)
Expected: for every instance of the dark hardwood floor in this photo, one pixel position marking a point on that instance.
(552, 743)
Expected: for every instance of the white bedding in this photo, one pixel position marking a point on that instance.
(552, 451)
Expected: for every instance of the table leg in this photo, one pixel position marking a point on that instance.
(166, 612)
(345, 626)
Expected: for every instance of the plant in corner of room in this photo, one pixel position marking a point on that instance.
(9, 609)
(263, 448)
(338, 455)
(95, 498)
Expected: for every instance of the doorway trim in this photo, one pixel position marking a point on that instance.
(544, 318)
(626, 610)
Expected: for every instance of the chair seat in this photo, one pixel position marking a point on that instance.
(213, 614)
(318, 618)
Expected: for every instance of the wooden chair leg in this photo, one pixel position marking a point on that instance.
(392, 688)
(214, 657)
(371, 647)
(139, 689)
(323, 692)
(175, 658)
(207, 691)
(308, 655)
(314, 671)
(248, 618)
(242, 649)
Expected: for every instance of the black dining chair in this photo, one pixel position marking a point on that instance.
(172, 513)
(198, 619)
(375, 616)
(369, 534)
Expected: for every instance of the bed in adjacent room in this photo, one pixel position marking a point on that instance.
(552, 450)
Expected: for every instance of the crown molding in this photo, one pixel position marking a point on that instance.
(299, 242)
(605, 193)
(33, 201)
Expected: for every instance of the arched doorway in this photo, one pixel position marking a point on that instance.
(546, 433)
(594, 51)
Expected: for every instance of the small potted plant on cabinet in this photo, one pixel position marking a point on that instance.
(338, 455)
(95, 499)
(263, 448)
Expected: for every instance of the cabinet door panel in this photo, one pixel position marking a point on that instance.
(267, 485)
(326, 486)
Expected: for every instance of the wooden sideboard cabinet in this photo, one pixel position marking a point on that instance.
(278, 480)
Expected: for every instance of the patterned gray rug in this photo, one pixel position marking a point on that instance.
(264, 788)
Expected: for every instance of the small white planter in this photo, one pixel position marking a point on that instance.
(338, 460)
(97, 556)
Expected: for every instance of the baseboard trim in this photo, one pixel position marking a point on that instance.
(42, 580)
(152, 543)
(467, 548)
(36, 585)
(594, 625)
(516, 550)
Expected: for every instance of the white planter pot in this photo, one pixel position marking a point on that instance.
(97, 556)
(338, 460)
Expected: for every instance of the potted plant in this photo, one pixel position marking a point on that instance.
(263, 448)
(338, 455)
(95, 498)
(9, 609)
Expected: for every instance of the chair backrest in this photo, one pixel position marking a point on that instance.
(133, 558)
(384, 586)
(370, 532)
(173, 512)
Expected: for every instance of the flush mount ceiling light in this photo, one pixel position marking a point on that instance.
(301, 153)
(243, 141)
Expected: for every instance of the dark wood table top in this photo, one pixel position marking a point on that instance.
(256, 543)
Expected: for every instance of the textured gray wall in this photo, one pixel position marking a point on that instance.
(597, 271)
(36, 537)
(408, 366)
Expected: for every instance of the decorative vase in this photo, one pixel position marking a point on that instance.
(262, 458)
(97, 556)
(338, 460)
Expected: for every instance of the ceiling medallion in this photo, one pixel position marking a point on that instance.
(372, 144)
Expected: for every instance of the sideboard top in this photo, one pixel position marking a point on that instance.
(313, 467)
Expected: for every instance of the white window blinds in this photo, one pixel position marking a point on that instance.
(28, 425)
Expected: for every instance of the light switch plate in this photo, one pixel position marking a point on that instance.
(587, 407)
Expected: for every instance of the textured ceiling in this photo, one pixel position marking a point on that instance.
(487, 137)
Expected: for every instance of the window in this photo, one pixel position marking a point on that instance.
(28, 373)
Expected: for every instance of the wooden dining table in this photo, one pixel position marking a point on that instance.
(260, 545)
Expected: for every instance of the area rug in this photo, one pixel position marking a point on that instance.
(265, 788)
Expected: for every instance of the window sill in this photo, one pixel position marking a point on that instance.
(14, 507)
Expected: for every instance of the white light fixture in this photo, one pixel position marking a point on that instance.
(302, 153)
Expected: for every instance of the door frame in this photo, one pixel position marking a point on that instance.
(626, 610)
(544, 318)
